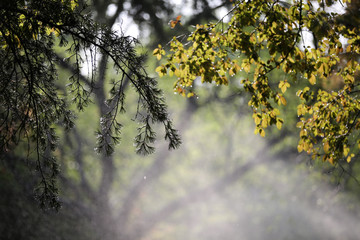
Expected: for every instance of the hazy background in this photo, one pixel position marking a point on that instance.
(224, 182)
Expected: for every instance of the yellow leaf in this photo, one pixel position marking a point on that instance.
(190, 94)
(257, 119)
(299, 124)
(312, 79)
(176, 21)
(262, 132)
(350, 157)
(49, 30)
(300, 110)
(237, 67)
(160, 71)
(300, 147)
(177, 72)
(282, 100)
(246, 67)
(326, 147)
(73, 4)
(221, 72)
(348, 48)
(57, 32)
(303, 132)
(231, 72)
(321, 69)
(264, 123)
(346, 150)
(305, 146)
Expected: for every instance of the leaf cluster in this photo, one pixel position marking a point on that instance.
(267, 36)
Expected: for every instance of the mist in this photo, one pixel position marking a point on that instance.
(227, 183)
(223, 182)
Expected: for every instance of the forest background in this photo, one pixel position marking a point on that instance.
(223, 182)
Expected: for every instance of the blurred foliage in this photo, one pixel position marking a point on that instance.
(223, 182)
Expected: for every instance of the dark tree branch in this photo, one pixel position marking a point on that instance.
(71, 68)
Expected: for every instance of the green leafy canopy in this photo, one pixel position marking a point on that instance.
(267, 36)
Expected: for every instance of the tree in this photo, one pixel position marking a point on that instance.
(122, 196)
(264, 37)
(33, 100)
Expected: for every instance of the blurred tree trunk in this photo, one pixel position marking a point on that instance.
(95, 200)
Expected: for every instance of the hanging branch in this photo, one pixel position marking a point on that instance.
(30, 103)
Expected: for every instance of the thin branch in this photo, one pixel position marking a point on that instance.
(68, 66)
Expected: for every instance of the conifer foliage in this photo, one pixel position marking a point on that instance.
(33, 100)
